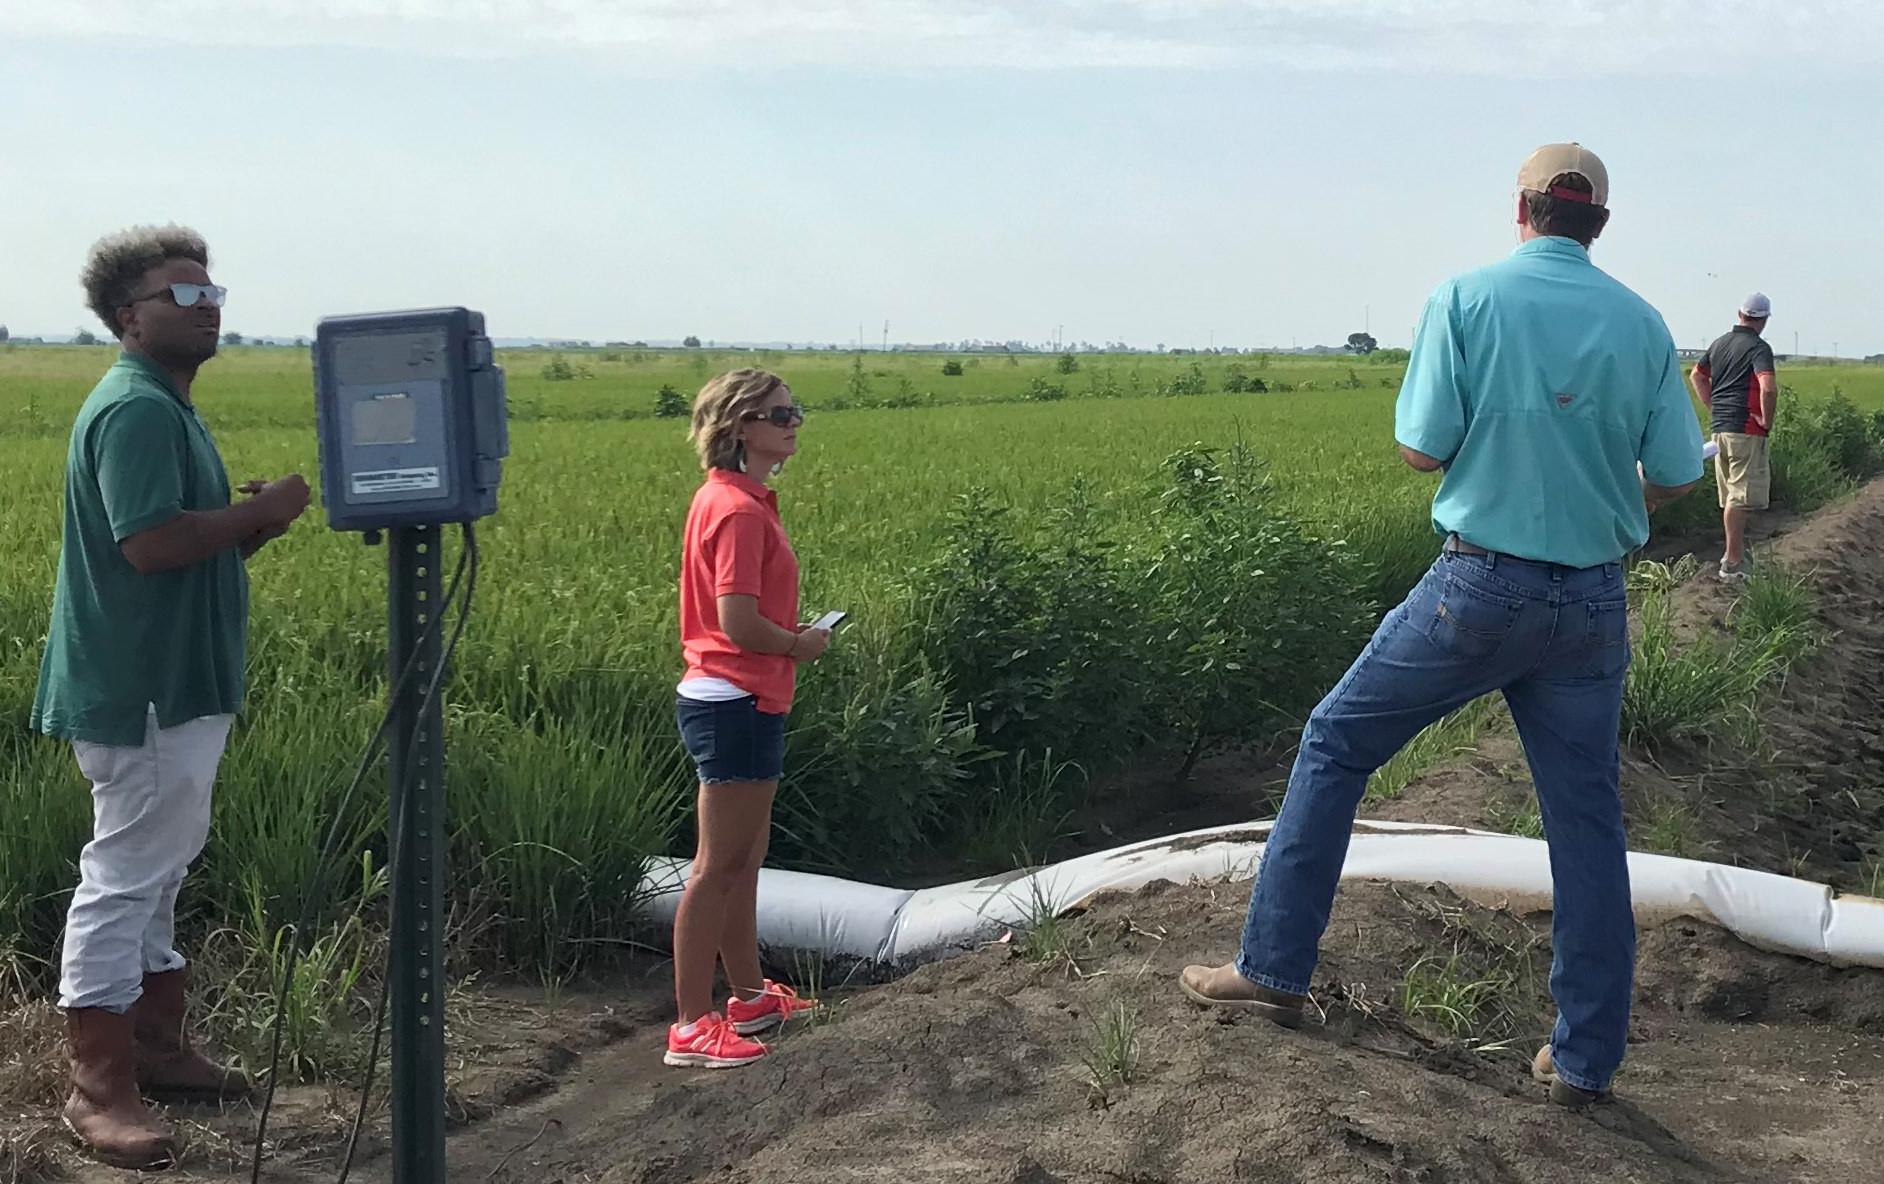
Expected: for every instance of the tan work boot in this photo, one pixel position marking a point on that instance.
(1222, 986)
(168, 1065)
(1544, 1072)
(105, 1112)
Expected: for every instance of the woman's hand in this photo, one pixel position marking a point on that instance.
(810, 644)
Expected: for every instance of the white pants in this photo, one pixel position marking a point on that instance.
(150, 818)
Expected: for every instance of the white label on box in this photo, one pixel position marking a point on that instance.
(395, 481)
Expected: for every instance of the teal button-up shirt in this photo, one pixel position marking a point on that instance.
(1541, 382)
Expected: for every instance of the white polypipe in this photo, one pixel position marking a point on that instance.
(844, 918)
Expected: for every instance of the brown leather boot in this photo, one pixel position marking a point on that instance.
(168, 1065)
(105, 1111)
(1223, 986)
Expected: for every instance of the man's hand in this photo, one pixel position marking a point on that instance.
(284, 499)
(1656, 496)
(1702, 383)
(194, 535)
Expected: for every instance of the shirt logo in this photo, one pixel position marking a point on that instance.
(1564, 400)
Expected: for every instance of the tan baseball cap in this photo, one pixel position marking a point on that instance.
(1542, 168)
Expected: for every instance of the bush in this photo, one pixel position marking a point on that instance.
(1820, 449)
(878, 760)
(1189, 382)
(952, 368)
(1067, 364)
(1039, 390)
(1103, 383)
(906, 395)
(558, 369)
(857, 386)
(670, 403)
(1262, 616)
(1030, 632)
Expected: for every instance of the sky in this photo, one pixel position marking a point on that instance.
(1213, 172)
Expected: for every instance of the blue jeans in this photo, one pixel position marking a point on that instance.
(1555, 640)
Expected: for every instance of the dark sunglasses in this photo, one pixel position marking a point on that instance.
(187, 295)
(788, 416)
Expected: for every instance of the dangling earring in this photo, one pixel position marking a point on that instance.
(739, 454)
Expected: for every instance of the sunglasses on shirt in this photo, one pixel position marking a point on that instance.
(779, 417)
(187, 295)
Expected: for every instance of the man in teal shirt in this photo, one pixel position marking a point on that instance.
(143, 675)
(1550, 396)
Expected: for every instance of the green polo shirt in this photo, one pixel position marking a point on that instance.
(121, 643)
(1542, 383)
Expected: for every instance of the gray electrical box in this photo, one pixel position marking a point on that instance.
(412, 418)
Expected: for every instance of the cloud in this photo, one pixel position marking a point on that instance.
(1560, 39)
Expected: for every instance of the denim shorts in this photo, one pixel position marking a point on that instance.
(731, 740)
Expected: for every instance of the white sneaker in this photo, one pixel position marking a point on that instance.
(1736, 573)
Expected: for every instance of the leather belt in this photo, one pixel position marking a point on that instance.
(1459, 546)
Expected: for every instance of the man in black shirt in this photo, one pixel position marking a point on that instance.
(1735, 380)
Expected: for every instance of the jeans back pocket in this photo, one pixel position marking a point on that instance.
(1471, 622)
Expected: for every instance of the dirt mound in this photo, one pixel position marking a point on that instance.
(1746, 1067)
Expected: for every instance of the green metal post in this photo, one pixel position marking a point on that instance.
(417, 828)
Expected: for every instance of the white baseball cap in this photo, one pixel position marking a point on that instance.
(1756, 306)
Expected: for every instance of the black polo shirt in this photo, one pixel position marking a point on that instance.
(1732, 366)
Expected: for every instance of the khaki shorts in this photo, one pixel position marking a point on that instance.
(1741, 472)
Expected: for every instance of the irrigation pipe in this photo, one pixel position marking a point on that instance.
(848, 919)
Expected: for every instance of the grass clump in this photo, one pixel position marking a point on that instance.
(1516, 815)
(1111, 1057)
(1694, 693)
(1669, 829)
(1481, 989)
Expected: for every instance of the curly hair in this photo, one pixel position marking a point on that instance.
(718, 409)
(118, 262)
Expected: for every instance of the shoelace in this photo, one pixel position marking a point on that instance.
(723, 1037)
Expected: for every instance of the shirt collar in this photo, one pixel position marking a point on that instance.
(741, 481)
(1746, 329)
(1554, 245)
(152, 371)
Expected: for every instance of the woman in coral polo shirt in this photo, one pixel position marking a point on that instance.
(740, 632)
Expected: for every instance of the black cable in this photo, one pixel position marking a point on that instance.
(396, 846)
(322, 864)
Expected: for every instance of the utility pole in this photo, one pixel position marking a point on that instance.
(886, 337)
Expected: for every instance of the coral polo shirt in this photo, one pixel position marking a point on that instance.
(735, 545)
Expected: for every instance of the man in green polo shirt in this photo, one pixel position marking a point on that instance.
(143, 675)
(1550, 396)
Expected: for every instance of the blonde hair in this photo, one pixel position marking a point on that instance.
(719, 409)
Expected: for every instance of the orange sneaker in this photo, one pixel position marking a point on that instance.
(712, 1045)
(776, 1004)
